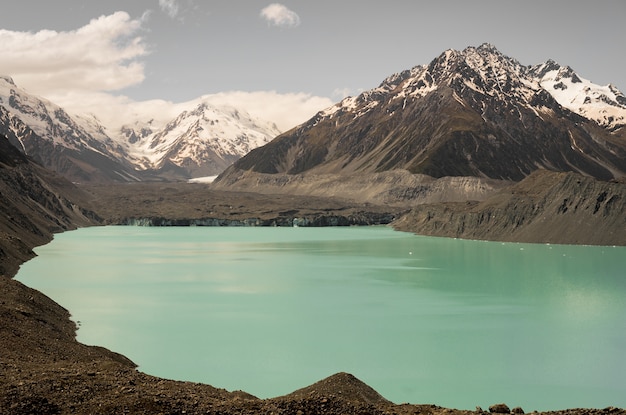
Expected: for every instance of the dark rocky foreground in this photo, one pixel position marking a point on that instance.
(44, 370)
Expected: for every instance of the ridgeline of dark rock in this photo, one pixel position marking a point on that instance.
(546, 207)
(344, 386)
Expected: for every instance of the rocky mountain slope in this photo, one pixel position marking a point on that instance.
(200, 141)
(474, 112)
(49, 135)
(35, 203)
(545, 207)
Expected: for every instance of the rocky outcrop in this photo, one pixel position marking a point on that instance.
(499, 408)
(546, 207)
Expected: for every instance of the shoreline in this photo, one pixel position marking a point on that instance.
(93, 367)
(462, 410)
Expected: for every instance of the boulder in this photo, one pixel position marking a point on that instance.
(499, 408)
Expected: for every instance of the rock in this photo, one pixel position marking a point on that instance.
(518, 410)
(499, 408)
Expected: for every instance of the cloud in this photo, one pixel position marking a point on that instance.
(341, 93)
(78, 69)
(170, 7)
(100, 56)
(278, 15)
(286, 110)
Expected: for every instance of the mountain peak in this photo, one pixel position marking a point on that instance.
(483, 49)
(475, 112)
(7, 79)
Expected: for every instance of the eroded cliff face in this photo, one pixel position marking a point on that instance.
(397, 188)
(546, 207)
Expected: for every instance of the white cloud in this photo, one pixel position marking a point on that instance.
(77, 70)
(286, 110)
(277, 14)
(170, 7)
(341, 93)
(100, 56)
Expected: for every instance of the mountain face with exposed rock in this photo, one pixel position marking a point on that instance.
(35, 203)
(53, 138)
(545, 207)
(200, 141)
(474, 112)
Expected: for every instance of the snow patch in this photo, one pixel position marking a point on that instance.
(598, 103)
(206, 179)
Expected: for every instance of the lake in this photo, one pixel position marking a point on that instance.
(421, 320)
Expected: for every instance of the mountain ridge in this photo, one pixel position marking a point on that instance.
(545, 207)
(474, 112)
(199, 141)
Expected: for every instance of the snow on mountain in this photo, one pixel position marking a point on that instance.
(604, 104)
(205, 139)
(474, 112)
(486, 70)
(201, 140)
(49, 121)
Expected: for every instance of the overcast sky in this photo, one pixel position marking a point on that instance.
(296, 54)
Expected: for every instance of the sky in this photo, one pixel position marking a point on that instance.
(283, 61)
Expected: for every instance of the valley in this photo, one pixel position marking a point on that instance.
(473, 145)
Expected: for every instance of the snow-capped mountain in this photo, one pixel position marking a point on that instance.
(200, 141)
(604, 104)
(474, 112)
(77, 149)
(486, 70)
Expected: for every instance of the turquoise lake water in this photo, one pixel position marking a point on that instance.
(421, 320)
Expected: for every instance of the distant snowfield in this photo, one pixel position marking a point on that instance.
(207, 179)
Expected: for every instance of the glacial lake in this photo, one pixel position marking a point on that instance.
(421, 320)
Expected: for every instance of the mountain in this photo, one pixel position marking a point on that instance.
(474, 112)
(604, 104)
(200, 141)
(48, 134)
(35, 203)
